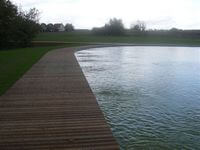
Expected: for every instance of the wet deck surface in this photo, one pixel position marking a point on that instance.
(53, 107)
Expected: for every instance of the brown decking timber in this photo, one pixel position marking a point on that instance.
(53, 107)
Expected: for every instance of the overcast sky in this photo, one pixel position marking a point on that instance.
(160, 14)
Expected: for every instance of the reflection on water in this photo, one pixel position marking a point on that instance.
(150, 96)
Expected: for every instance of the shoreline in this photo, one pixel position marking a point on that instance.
(99, 44)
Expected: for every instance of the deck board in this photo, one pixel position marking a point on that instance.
(53, 107)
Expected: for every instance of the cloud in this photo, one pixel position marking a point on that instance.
(160, 23)
(89, 13)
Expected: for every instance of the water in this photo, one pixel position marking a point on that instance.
(150, 96)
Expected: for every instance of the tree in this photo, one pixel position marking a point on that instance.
(174, 30)
(69, 27)
(25, 30)
(43, 27)
(50, 27)
(7, 16)
(139, 27)
(17, 27)
(113, 27)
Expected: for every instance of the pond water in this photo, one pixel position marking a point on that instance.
(150, 96)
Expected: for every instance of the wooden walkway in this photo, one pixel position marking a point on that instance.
(53, 107)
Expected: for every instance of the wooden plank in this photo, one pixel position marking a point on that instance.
(53, 107)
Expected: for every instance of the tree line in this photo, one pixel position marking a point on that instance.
(115, 27)
(56, 27)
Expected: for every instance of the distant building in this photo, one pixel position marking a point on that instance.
(59, 27)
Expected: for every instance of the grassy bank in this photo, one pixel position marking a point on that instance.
(14, 63)
(90, 38)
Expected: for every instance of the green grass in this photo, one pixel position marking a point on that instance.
(14, 63)
(88, 37)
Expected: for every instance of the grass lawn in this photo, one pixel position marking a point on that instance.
(14, 63)
(90, 38)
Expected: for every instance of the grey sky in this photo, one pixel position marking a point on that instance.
(161, 14)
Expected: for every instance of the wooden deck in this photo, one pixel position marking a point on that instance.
(53, 107)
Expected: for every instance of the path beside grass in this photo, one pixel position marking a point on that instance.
(52, 106)
(14, 63)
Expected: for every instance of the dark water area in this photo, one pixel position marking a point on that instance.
(150, 96)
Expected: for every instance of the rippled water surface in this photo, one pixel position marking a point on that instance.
(150, 96)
